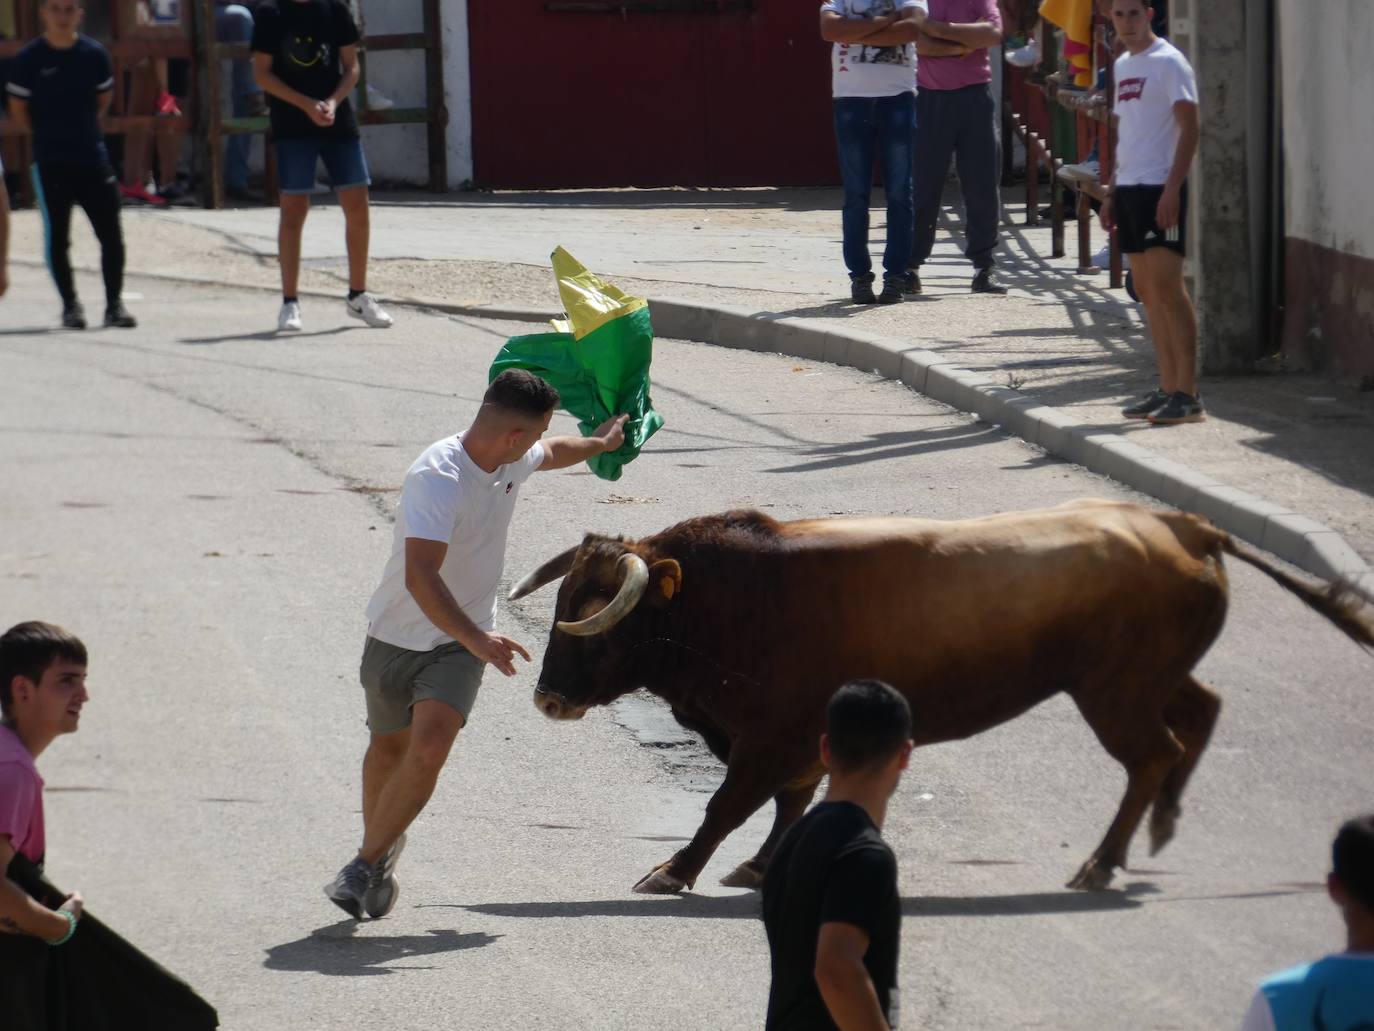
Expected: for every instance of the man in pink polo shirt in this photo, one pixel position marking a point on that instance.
(956, 114)
(42, 690)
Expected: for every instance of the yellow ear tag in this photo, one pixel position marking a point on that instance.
(666, 585)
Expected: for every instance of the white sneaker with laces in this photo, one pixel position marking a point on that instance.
(365, 307)
(1088, 171)
(289, 318)
(1026, 56)
(377, 100)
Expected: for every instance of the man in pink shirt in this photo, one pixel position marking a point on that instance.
(42, 690)
(956, 114)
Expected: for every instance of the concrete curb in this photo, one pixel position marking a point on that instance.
(1306, 543)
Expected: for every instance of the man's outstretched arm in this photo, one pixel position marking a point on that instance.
(561, 452)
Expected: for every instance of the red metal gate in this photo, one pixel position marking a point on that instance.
(569, 93)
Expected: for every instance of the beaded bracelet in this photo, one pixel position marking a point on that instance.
(71, 927)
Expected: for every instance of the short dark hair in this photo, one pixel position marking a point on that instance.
(1352, 858)
(28, 649)
(517, 390)
(867, 723)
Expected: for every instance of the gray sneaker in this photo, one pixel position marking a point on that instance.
(382, 887)
(1180, 408)
(347, 889)
(1156, 398)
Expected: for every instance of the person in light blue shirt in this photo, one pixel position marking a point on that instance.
(1335, 993)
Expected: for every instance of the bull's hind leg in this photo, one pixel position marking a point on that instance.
(1191, 714)
(791, 803)
(1140, 740)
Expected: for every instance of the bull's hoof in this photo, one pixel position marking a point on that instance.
(746, 875)
(1094, 876)
(660, 882)
(1162, 825)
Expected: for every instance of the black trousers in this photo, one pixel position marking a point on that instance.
(961, 122)
(95, 187)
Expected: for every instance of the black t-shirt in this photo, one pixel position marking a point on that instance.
(304, 38)
(832, 866)
(61, 87)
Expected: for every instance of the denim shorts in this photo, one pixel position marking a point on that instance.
(343, 160)
(394, 679)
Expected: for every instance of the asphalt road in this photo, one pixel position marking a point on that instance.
(207, 505)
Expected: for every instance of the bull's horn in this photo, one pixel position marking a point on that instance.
(634, 578)
(554, 569)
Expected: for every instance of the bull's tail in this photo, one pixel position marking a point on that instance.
(1336, 601)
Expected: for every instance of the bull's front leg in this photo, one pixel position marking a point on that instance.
(745, 788)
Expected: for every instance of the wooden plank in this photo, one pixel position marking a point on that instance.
(437, 142)
(209, 137)
(1056, 210)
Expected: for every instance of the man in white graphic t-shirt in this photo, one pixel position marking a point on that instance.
(1157, 136)
(873, 83)
(431, 620)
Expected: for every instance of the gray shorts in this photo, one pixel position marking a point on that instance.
(394, 679)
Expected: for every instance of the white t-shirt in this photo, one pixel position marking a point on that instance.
(1148, 85)
(860, 71)
(447, 497)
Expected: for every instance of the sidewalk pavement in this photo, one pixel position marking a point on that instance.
(1284, 461)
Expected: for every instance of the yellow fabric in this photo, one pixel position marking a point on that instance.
(589, 301)
(1075, 17)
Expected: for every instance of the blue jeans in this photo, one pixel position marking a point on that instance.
(889, 123)
(343, 160)
(234, 24)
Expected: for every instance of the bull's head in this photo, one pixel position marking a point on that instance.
(613, 593)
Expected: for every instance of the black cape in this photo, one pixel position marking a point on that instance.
(95, 982)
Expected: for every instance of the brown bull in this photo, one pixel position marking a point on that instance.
(745, 626)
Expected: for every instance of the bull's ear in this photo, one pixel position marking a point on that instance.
(665, 580)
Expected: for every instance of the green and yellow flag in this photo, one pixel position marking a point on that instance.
(597, 359)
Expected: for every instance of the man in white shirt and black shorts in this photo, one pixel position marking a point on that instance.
(430, 632)
(1157, 136)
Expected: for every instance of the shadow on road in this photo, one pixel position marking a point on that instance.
(266, 334)
(337, 951)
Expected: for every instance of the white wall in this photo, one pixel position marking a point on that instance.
(400, 152)
(1328, 93)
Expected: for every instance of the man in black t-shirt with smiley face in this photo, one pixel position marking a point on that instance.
(830, 901)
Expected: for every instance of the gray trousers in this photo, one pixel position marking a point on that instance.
(961, 122)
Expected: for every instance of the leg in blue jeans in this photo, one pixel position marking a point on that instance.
(978, 158)
(234, 24)
(896, 118)
(855, 137)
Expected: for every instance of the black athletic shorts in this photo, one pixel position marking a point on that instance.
(1134, 210)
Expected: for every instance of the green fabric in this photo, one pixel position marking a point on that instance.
(604, 374)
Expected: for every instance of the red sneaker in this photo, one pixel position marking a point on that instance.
(167, 106)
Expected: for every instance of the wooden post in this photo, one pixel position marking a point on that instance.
(1032, 179)
(1085, 243)
(434, 98)
(209, 119)
(1056, 211)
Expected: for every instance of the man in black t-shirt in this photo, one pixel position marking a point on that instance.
(830, 901)
(59, 86)
(305, 58)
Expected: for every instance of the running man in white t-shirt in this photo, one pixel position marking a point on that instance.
(431, 620)
(1157, 135)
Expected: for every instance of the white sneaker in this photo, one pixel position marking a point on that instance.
(1024, 57)
(289, 318)
(1103, 258)
(1087, 172)
(365, 307)
(378, 101)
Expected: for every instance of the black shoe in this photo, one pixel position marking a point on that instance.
(74, 316)
(118, 316)
(893, 288)
(1156, 398)
(913, 281)
(861, 289)
(350, 886)
(1179, 408)
(983, 283)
